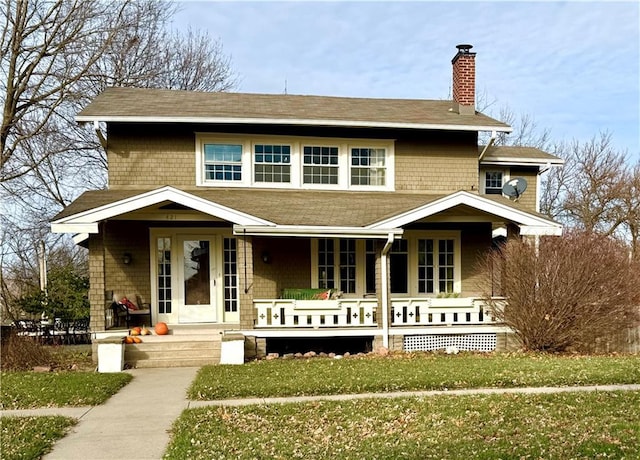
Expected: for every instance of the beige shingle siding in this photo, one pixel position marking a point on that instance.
(475, 241)
(127, 237)
(295, 272)
(146, 157)
(435, 168)
(528, 198)
(246, 288)
(96, 282)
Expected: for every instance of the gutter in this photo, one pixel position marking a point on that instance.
(314, 231)
(385, 290)
(492, 139)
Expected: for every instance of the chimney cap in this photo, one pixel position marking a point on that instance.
(464, 48)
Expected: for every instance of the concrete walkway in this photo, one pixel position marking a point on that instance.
(135, 421)
(132, 423)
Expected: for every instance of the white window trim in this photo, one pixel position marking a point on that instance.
(296, 142)
(389, 165)
(200, 164)
(342, 164)
(294, 168)
(361, 258)
(483, 177)
(412, 237)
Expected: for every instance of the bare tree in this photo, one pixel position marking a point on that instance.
(596, 191)
(567, 292)
(57, 55)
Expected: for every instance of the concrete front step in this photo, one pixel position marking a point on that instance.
(190, 351)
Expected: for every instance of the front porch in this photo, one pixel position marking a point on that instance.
(404, 270)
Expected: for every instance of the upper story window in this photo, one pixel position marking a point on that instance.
(222, 162)
(368, 166)
(493, 182)
(320, 165)
(272, 163)
(294, 162)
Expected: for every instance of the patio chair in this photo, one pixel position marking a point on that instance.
(128, 308)
(26, 328)
(79, 331)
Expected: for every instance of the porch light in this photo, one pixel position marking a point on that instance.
(126, 258)
(266, 257)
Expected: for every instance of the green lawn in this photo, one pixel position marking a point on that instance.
(24, 390)
(321, 376)
(556, 426)
(29, 438)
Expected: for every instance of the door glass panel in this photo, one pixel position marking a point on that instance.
(197, 281)
(164, 275)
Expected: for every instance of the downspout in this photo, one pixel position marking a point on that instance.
(101, 138)
(385, 290)
(492, 139)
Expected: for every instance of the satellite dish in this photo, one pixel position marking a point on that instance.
(515, 187)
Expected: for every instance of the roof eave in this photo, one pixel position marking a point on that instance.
(295, 122)
(522, 161)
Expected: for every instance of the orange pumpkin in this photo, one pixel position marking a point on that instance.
(128, 339)
(162, 328)
(137, 340)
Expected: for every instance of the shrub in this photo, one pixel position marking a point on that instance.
(23, 353)
(565, 292)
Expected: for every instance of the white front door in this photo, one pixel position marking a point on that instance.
(197, 279)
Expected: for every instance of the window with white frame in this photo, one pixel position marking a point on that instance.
(436, 266)
(320, 164)
(222, 162)
(493, 182)
(368, 166)
(294, 162)
(345, 264)
(272, 163)
(425, 263)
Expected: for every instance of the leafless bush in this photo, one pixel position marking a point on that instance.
(23, 353)
(566, 292)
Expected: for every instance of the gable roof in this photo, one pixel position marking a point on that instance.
(307, 212)
(171, 106)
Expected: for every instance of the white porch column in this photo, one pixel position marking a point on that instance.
(385, 290)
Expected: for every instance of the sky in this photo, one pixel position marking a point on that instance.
(573, 67)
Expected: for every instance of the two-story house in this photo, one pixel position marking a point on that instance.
(225, 210)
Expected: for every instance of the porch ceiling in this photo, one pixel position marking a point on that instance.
(306, 209)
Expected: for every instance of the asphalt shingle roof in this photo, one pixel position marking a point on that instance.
(504, 152)
(292, 207)
(134, 104)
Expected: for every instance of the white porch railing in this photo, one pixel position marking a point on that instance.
(316, 313)
(436, 311)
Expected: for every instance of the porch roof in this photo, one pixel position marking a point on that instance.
(297, 212)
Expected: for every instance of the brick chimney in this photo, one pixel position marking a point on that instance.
(464, 80)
